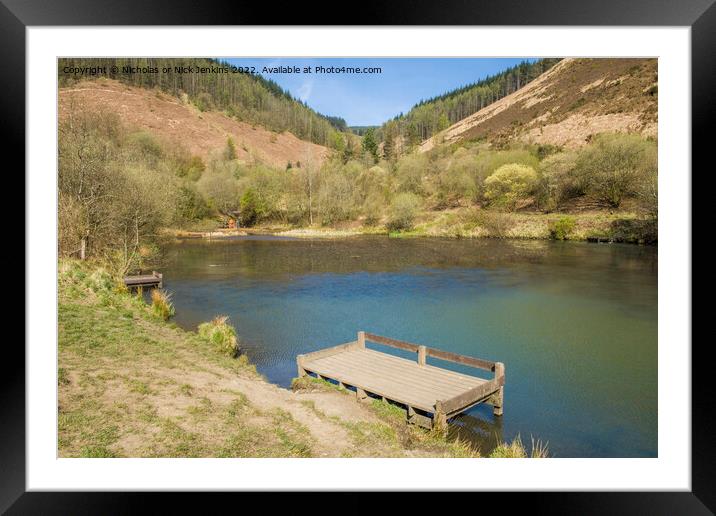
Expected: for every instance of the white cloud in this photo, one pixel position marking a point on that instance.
(304, 91)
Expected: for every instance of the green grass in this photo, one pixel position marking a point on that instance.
(132, 385)
(310, 383)
(113, 344)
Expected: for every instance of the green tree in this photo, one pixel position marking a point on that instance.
(339, 142)
(443, 122)
(252, 208)
(370, 144)
(230, 150)
(389, 135)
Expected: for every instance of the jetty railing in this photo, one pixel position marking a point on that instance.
(359, 370)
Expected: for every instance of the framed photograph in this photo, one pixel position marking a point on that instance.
(445, 249)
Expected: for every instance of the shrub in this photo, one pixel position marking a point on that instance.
(557, 181)
(219, 187)
(230, 149)
(189, 204)
(373, 209)
(647, 190)
(456, 181)
(561, 228)
(497, 224)
(615, 163)
(403, 210)
(642, 231)
(410, 171)
(146, 144)
(221, 334)
(162, 305)
(335, 198)
(488, 161)
(510, 183)
(204, 102)
(99, 281)
(252, 208)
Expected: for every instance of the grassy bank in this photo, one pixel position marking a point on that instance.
(131, 384)
(597, 225)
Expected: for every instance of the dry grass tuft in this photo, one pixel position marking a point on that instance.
(517, 450)
(162, 305)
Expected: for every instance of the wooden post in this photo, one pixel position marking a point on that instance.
(299, 363)
(422, 351)
(440, 419)
(361, 395)
(158, 275)
(361, 339)
(83, 248)
(498, 399)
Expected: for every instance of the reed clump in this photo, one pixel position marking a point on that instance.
(516, 450)
(162, 305)
(221, 334)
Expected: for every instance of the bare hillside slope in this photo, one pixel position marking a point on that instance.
(181, 123)
(567, 104)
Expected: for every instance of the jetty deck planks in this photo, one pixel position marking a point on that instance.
(155, 279)
(434, 391)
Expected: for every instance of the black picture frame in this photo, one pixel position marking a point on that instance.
(700, 15)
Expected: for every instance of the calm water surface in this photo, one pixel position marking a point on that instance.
(574, 323)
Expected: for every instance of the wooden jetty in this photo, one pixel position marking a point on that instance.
(431, 395)
(145, 280)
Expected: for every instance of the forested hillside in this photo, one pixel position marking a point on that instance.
(435, 114)
(244, 96)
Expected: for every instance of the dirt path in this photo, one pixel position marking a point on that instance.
(131, 385)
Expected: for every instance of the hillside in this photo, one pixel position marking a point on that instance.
(179, 122)
(435, 114)
(211, 85)
(566, 105)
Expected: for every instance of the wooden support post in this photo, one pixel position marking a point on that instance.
(361, 339)
(361, 395)
(422, 351)
(159, 275)
(299, 363)
(83, 248)
(440, 418)
(498, 399)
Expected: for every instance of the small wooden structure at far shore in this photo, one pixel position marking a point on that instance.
(431, 395)
(145, 280)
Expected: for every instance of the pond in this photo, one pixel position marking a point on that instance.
(574, 323)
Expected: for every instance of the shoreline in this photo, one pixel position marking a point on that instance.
(595, 226)
(133, 384)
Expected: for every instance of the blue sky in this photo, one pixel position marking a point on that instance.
(371, 99)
